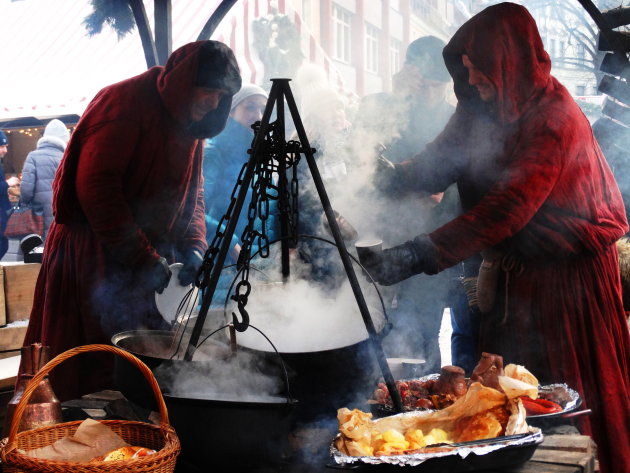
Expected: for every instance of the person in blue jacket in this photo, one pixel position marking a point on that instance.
(224, 157)
(5, 204)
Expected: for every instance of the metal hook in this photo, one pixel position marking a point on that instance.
(241, 301)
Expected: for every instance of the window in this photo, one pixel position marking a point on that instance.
(581, 54)
(552, 48)
(306, 12)
(341, 34)
(395, 47)
(580, 90)
(371, 48)
(563, 49)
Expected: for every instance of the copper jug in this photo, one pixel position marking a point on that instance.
(43, 407)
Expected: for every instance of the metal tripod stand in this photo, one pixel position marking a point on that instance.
(210, 271)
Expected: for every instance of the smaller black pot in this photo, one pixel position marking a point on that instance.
(231, 433)
(154, 348)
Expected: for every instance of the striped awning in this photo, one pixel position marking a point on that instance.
(51, 67)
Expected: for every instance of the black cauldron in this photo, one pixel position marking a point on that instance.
(223, 429)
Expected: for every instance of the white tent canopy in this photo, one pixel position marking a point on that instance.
(51, 66)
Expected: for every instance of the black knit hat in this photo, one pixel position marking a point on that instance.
(3, 139)
(426, 54)
(218, 68)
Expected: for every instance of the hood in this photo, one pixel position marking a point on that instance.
(503, 42)
(56, 133)
(201, 63)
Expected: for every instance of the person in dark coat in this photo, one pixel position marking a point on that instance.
(5, 203)
(406, 120)
(128, 200)
(39, 170)
(542, 205)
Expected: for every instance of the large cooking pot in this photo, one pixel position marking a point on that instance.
(327, 370)
(326, 380)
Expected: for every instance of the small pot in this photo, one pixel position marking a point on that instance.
(231, 433)
(154, 348)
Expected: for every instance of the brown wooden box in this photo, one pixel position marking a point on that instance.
(18, 281)
(559, 454)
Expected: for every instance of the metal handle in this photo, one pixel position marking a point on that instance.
(576, 413)
(34, 383)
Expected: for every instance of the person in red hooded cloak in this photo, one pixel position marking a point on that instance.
(542, 206)
(128, 200)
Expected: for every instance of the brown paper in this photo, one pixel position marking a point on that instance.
(90, 440)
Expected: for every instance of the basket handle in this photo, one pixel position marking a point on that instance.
(34, 383)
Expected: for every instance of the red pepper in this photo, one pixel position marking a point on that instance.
(536, 407)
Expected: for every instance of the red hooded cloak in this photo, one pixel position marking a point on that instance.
(535, 185)
(129, 190)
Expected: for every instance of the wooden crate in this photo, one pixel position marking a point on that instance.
(12, 337)
(560, 454)
(18, 281)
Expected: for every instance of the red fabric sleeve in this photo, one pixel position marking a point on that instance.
(195, 234)
(518, 194)
(104, 159)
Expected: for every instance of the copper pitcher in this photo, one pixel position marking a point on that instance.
(43, 406)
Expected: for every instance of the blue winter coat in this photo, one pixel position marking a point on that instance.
(224, 157)
(5, 206)
(38, 173)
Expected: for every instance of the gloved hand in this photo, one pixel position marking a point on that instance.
(159, 275)
(403, 261)
(192, 262)
(385, 175)
(348, 232)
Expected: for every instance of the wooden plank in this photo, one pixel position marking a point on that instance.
(615, 64)
(616, 88)
(9, 353)
(610, 133)
(531, 467)
(12, 336)
(617, 111)
(19, 289)
(558, 457)
(569, 443)
(8, 372)
(621, 38)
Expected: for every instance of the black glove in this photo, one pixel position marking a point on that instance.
(159, 275)
(192, 262)
(386, 176)
(403, 261)
(348, 232)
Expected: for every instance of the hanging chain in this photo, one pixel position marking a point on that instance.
(264, 191)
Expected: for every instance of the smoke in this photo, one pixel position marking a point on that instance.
(238, 377)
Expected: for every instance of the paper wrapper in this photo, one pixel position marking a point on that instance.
(90, 440)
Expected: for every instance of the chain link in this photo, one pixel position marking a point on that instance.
(264, 191)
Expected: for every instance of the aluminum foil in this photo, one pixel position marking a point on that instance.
(534, 437)
(574, 402)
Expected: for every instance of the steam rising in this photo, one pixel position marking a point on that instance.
(301, 317)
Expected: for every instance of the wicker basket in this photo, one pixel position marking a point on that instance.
(161, 438)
